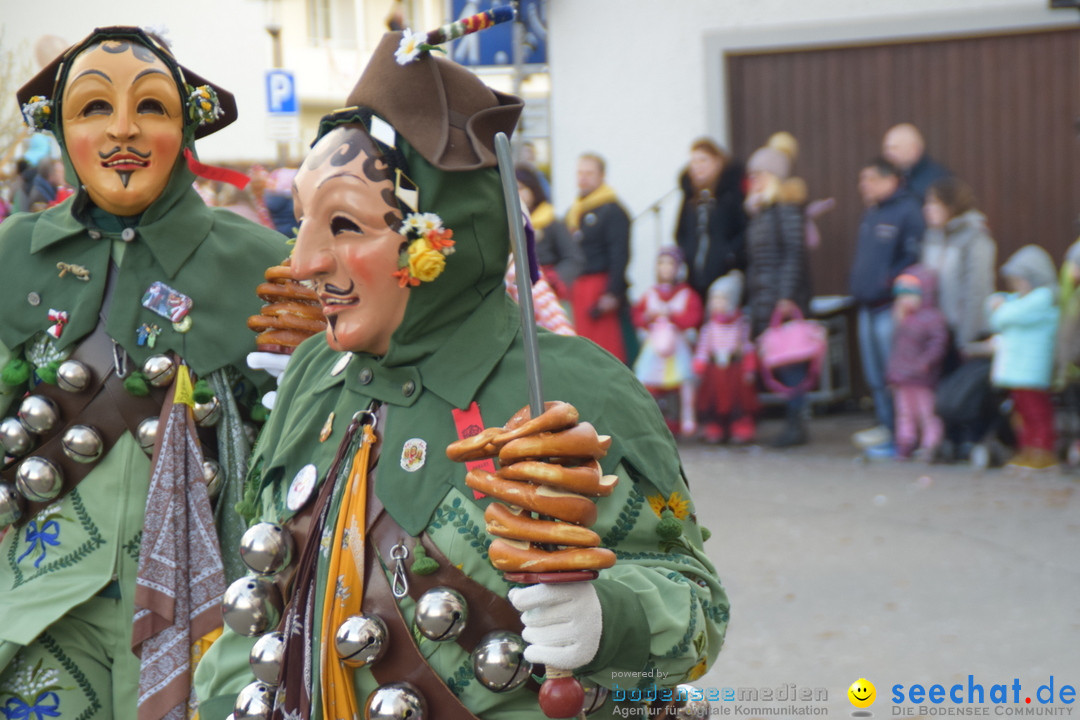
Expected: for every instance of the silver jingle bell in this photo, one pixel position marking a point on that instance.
(361, 640)
(15, 438)
(211, 471)
(396, 701)
(595, 696)
(266, 548)
(38, 414)
(73, 376)
(207, 414)
(159, 370)
(82, 443)
(441, 613)
(146, 434)
(12, 505)
(39, 480)
(266, 657)
(255, 702)
(499, 662)
(251, 606)
(696, 705)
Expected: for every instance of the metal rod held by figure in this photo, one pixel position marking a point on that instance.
(521, 269)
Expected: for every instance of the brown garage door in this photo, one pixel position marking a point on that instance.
(1001, 111)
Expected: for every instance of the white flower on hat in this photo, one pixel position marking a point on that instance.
(412, 44)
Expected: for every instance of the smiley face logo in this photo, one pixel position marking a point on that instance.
(862, 693)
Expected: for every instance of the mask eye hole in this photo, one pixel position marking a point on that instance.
(339, 225)
(96, 107)
(151, 107)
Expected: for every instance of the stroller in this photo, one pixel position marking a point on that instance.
(976, 416)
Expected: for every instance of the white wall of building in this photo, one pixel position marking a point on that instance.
(638, 80)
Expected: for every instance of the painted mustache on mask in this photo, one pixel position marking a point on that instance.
(125, 175)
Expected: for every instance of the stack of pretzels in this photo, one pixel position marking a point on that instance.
(548, 466)
(291, 314)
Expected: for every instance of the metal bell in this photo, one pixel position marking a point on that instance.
(441, 613)
(73, 376)
(146, 434)
(361, 640)
(255, 702)
(39, 480)
(251, 606)
(396, 701)
(82, 443)
(499, 662)
(266, 657)
(595, 696)
(38, 414)
(266, 548)
(12, 505)
(698, 707)
(211, 471)
(159, 370)
(15, 438)
(207, 414)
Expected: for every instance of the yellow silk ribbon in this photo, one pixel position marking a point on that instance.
(345, 585)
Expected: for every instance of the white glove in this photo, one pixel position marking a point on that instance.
(273, 363)
(562, 623)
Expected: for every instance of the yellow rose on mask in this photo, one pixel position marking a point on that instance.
(425, 262)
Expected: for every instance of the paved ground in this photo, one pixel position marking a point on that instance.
(897, 572)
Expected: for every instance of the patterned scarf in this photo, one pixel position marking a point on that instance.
(180, 578)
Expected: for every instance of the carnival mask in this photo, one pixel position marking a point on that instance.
(123, 125)
(347, 244)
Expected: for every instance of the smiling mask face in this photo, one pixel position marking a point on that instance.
(346, 246)
(122, 124)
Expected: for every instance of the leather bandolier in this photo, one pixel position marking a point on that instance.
(104, 405)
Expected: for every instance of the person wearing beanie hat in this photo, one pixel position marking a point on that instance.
(111, 293)
(920, 341)
(778, 272)
(666, 313)
(1025, 321)
(712, 222)
(403, 235)
(727, 402)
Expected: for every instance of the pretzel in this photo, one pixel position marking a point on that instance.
(515, 524)
(515, 556)
(580, 441)
(559, 504)
(585, 479)
(477, 447)
(292, 313)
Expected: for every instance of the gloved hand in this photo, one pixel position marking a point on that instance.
(273, 363)
(563, 623)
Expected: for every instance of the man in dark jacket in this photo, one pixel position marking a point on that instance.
(905, 148)
(889, 236)
(601, 227)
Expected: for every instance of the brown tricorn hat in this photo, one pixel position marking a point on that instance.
(445, 112)
(50, 81)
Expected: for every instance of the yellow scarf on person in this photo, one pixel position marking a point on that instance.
(345, 584)
(602, 195)
(542, 215)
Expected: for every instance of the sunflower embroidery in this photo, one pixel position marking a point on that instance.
(676, 503)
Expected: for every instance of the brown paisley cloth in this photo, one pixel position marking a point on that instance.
(181, 578)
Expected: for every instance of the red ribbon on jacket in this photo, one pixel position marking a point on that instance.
(60, 319)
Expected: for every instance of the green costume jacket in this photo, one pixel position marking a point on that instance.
(80, 544)
(664, 610)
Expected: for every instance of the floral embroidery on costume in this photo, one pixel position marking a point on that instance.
(33, 694)
(424, 257)
(679, 506)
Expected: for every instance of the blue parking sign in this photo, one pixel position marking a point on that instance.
(281, 92)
